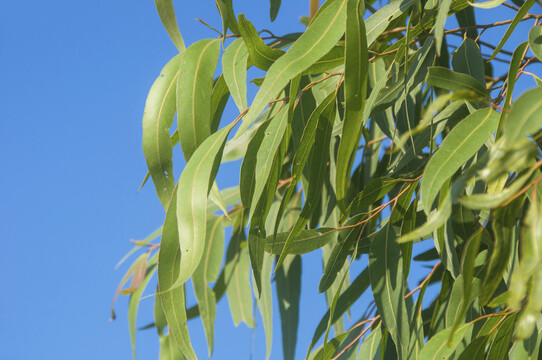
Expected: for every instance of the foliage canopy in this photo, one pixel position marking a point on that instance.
(366, 135)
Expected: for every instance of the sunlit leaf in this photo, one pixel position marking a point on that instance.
(169, 20)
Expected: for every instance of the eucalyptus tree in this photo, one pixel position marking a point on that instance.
(369, 132)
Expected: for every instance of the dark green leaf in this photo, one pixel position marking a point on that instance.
(275, 6)
(517, 19)
(454, 81)
(468, 60)
(288, 280)
(261, 55)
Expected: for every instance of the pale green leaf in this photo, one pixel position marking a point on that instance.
(169, 20)
(450, 80)
(379, 21)
(487, 4)
(442, 15)
(370, 348)
(438, 347)
(234, 67)
(524, 117)
(515, 63)
(228, 16)
(306, 241)
(206, 273)
(465, 139)
(265, 302)
(517, 19)
(261, 55)
(316, 41)
(157, 120)
(193, 190)
(194, 89)
(173, 298)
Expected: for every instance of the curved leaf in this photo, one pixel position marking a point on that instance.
(524, 117)
(450, 80)
(261, 55)
(535, 41)
(157, 120)
(306, 241)
(169, 20)
(316, 41)
(465, 139)
(355, 88)
(194, 89)
(468, 60)
(234, 67)
(192, 193)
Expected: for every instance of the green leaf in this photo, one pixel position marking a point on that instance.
(193, 190)
(206, 273)
(450, 80)
(504, 220)
(265, 302)
(386, 270)
(465, 139)
(488, 4)
(167, 16)
(234, 67)
(133, 304)
(237, 273)
(288, 281)
(331, 60)
(306, 144)
(155, 234)
(306, 241)
(219, 98)
(318, 172)
(476, 349)
(442, 15)
(228, 17)
(379, 21)
(438, 347)
(375, 190)
(316, 41)
(370, 348)
(275, 6)
(517, 19)
(535, 41)
(261, 55)
(515, 63)
(265, 156)
(468, 60)
(524, 117)
(173, 298)
(355, 88)
(194, 89)
(349, 296)
(501, 342)
(157, 120)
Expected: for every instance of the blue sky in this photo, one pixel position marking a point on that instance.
(75, 76)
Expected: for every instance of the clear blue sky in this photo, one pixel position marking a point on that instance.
(75, 76)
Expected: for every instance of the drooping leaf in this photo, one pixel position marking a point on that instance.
(237, 273)
(234, 67)
(461, 144)
(316, 41)
(265, 302)
(206, 273)
(194, 89)
(438, 346)
(193, 190)
(133, 304)
(169, 20)
(386, 269)
(355, 89)
(517, 19)
(173, 298)
(306, 241)
(443, 9)
(228, 16)
(318, 167)
(370, 348)
(487, 4)
(275, 7)
(288, 281)
(157, 120)
(512, 73)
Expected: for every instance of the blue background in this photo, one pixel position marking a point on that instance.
(74, 78)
